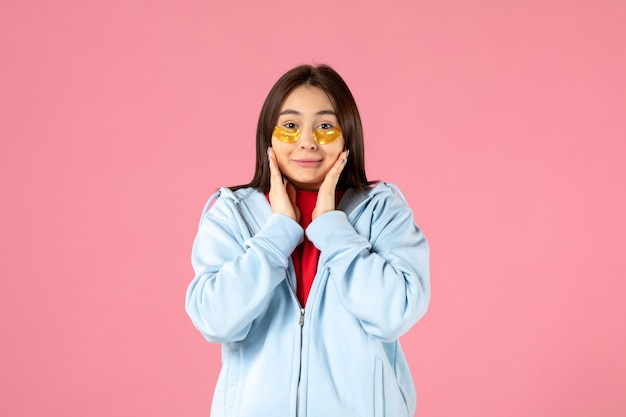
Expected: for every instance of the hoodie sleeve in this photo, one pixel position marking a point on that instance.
(382, 273)
(236, 273)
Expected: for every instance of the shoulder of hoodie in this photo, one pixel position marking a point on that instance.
(381, 191)
(225, 200)
(384, 199)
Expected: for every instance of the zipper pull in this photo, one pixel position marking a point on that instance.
(301, 322)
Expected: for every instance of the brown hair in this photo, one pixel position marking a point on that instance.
(329, 81)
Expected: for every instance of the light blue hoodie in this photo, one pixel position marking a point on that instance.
(341, 357)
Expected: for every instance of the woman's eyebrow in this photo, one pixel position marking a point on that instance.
(289, 111)
(296, 112)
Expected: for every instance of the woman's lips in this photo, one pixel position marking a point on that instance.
(308, 163)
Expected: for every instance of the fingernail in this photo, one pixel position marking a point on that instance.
(347, 153)
(268, 150)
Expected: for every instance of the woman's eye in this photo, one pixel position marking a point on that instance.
(325, 126)
(290, 125)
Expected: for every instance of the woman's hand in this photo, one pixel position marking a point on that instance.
(282, 192)
(326, 194)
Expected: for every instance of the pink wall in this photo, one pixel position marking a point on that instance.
(502, 121)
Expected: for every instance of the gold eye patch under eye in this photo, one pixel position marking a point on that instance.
(323, 137)
(286, 135)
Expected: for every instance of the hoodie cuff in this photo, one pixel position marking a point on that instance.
(333, 229)
(282, 232)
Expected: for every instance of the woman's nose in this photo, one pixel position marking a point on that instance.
(307, 141)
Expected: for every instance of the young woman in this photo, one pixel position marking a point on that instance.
(309, 274)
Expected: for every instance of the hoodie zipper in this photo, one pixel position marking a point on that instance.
(301, 324)
(241, 206)
(246, 215)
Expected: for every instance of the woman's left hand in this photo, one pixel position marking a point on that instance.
(326, 194)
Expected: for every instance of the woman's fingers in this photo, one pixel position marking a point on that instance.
(291, 192)
(326, 195)
(332, 178)
(280, 200)
(276, 177)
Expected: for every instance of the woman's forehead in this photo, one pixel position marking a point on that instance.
(307, 100)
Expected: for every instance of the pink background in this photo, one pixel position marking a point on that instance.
(502, 121)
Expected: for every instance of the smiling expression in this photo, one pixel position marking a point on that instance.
(305, 162)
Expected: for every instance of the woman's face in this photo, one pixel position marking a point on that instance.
(305, 163)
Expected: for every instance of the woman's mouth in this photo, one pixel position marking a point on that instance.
(307, 162)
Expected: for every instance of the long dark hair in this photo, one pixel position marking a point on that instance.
(329, 81)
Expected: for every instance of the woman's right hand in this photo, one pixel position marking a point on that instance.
(282, 192)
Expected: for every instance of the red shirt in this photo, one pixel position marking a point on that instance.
(306, 255)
